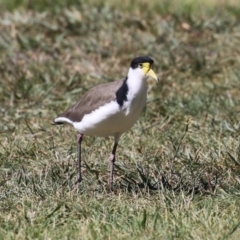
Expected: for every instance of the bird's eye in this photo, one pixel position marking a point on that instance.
(140, 65)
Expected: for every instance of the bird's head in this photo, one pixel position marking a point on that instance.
(143, 67)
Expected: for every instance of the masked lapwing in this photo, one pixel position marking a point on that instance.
(110, 109)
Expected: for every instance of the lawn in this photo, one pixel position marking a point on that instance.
(177, 170)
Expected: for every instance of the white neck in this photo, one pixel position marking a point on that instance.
(136, 82)
(137, 92)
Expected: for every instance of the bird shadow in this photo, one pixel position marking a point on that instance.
(145, 182)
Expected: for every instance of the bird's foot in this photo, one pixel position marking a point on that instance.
(79, 179)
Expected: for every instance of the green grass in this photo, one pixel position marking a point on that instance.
(178, 169)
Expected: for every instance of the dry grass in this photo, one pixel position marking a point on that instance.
(178, 179)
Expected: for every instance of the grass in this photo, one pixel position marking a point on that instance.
(178, 169)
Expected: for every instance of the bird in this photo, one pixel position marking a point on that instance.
(110, 109)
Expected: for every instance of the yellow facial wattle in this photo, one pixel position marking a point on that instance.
(147, 70)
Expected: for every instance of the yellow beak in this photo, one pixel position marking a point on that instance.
(148, 71)
(152, 74)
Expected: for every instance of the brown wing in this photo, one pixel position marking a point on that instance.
(93, 99)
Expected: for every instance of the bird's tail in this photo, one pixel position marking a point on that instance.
(61, 120)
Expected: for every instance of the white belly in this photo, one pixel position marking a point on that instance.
(110, 120)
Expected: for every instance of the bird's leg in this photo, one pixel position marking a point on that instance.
(112, 161)
(79, 141)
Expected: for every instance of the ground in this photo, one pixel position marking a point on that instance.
(177, 170)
